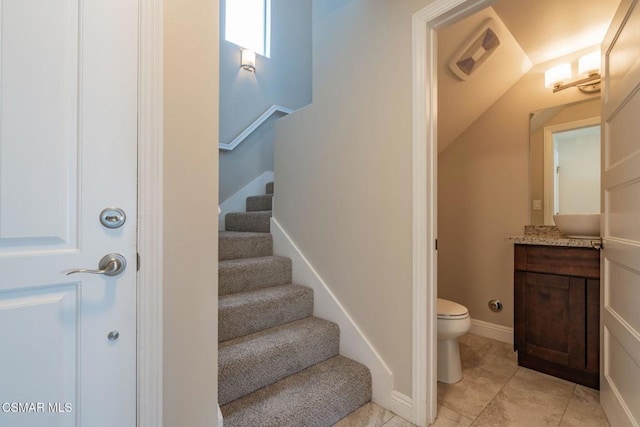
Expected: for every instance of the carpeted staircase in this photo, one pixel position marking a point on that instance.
(278, 365)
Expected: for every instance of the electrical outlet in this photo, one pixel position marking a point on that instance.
(537, 205)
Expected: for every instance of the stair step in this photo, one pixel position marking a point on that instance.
(259, 203)
(246, 274)
(269, 187)
(257, 222)
(249, 363)
(236, 245)
(248, 312)
(318, 396)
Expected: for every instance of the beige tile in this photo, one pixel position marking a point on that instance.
(496, 392)
(502, 413)
(500, 359)
(532, 387)
(470, 356)
(473, 341)
(472, 349)
(471, 395)
(530, 398)
(493, 355)
(368, 415)
(584, 409)
(449, 418)
(398, 422)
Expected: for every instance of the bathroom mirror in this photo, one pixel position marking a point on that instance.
(564, 144)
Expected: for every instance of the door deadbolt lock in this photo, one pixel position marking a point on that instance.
(112, 217)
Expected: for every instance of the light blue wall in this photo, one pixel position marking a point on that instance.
(283, 79)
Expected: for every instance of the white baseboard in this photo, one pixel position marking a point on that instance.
(353, 343)
(220, 421)
(402, 405)
(491, 330)
(237, 202)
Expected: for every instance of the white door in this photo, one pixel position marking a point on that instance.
(68, 113)
(620, 370)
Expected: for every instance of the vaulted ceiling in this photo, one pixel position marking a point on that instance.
(531, 32)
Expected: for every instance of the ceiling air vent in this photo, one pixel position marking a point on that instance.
(476, 50)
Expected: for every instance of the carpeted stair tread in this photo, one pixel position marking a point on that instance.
(277, 364)
(245, 274)
(259, 203)
(317, 396)
(257, 221)
(247, 312)
(251, 362)
(237, 244)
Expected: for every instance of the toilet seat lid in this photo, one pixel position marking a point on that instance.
(448, 308)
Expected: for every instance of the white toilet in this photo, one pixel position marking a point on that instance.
(453, 322)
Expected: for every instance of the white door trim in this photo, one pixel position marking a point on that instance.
(425, 202)
(150, 140)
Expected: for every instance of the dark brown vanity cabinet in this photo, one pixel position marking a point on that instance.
(557, 311)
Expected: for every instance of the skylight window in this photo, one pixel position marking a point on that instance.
(248, 24)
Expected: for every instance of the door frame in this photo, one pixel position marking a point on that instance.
(425, 23)
(150, 190)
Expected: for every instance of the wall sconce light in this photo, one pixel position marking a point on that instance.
(248, 60)
(554, 77)
(588, 69)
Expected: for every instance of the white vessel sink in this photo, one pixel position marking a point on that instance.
(579, 226)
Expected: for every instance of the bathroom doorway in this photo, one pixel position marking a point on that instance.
(476, 204)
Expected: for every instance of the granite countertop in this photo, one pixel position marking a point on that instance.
(549, 235)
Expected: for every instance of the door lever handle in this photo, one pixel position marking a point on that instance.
(110, 265)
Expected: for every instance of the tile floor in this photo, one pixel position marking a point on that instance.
(495, 391)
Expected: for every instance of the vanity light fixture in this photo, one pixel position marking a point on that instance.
(248, 60)
(588, 70)
(555, 76)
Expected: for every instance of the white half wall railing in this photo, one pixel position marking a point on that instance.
(253, 126)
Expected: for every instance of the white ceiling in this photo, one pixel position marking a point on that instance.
(536, 31)
(460, 103)
(548, 29)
